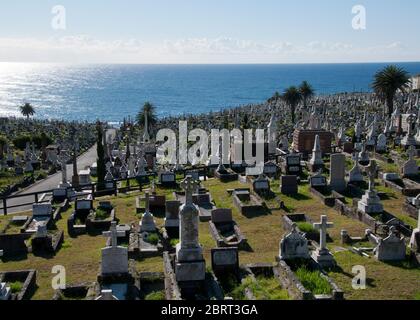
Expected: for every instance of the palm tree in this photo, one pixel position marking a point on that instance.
(387, 82)
(150, 110)
(27, 110)
(306, 91)
(292, 97)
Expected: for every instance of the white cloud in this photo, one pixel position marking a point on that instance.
(83, 48)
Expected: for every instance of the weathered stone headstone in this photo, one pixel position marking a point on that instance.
(392, 248)
(370, 202)
(189, 264)
(294, 246)
(338, 172)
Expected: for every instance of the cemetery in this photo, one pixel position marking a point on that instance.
(338, 188)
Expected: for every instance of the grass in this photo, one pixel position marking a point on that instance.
(305, 227)
(157, 295)
(313, 281)
(262, 289)
(82, 255)
(174, 242)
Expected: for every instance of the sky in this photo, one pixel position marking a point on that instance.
(208, 31)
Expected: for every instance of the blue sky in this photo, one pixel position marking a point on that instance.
(209, 31)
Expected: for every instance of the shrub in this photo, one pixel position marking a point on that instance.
(101, 214)
(174, 242)
(305, 227)
(16, 287)
(157, 295)
(153, 238)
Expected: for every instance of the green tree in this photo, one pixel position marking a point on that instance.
(292, 97)
(27, 110)
(306, 91)
(150, 110)
(101, 156)
(387, 82)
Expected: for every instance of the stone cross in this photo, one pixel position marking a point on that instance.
(371, 170)
(322, 227)
(189, 185)
(113, 234)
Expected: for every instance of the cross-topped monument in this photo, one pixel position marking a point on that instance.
(322, 227)
(190, 265)
(113, 234)
(190, 186)
(371, 170)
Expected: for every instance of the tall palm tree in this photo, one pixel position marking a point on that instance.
(306, 91)
(27, 110)
(292, 97)
(387, 82)
(150, 110)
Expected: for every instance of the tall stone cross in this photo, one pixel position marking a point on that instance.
(371, 170)
(189, 185)
(113, 234)
(322, 227)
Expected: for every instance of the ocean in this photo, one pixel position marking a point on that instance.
(112, 92)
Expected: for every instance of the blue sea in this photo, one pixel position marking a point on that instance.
(112, 92)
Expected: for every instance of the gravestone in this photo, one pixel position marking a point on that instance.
(225, 260)
(190, 265)
(289, 185)
(261, 184)
(381, 143)
(293, 165)
(415, 237)
(392, 248)
(370, 202)
(410, 168)
(318, 181)
(322, 255)
(355, 174)
(294, 246)
(316, 161)
(167, 178)
(147, 223)
(172, 218)
(338, 172)
(41, 209)
(221, 215)
(114, 258)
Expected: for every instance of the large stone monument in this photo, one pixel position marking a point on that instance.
(370, 202)
(114, 258)
(338, 172)
(190, 265)
(147, 223)
(316, 161)
(322, 255)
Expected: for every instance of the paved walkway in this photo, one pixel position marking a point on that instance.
(84, 161)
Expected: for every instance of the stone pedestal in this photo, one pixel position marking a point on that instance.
(324, 258)
(370, 203)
